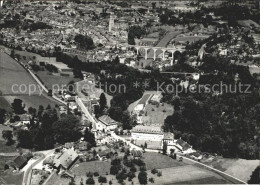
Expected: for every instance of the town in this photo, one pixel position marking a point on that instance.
(129, 92)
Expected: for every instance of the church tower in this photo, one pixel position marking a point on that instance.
(111, 22)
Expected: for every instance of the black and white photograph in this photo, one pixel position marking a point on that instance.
(129, 92)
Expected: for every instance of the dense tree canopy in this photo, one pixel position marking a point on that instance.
(66, 129)
(84, 42)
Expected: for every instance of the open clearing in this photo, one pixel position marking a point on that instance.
(4, 104)
(158, 161)
(157, 114)
(173, 172)
(13, 73)
(51, 80)
(190, 38)
(101, 167)
(240, 168)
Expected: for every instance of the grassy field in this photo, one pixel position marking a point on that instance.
(157, 115)
(94, 166)
(13, 73)
(173, 172)
(34, 101)
(4, 104)
(159, 161)
(50, 79)
(190, 38)
(240, 168)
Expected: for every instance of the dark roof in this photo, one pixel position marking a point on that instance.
(27, 155)
(20, 161)
(137, 153)
(104, 153)
(185, 146)
(83, 146)
(196, 154)
(107, 120)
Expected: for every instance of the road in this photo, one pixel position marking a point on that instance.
(28, 171)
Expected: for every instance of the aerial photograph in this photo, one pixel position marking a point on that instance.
(129, 92)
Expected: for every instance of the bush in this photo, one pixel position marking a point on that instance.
(154, 171)
(89, 174)
(90, 180)
(102, 179)
(96, 174)
(151, 180)
(131, 175)
(159, 174)
(139, 162)
(133, 169)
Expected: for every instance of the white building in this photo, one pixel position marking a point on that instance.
(147, 133)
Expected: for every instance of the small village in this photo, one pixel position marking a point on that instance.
(116, 92)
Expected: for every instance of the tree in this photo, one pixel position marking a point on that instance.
(102, 102)
(2, 116)
(151, 180)
(90, 181)
(72, 182)
(255, 177)
(102, 179)
(114, 169)
(32, 111)
(18, 106)
(89, 137)
(66, 129)
(142, 177)
(24, 139)
(164, 148)
(8, 136)
(84, 42)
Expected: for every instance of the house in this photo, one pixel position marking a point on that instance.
(104, 154)
(183, 146)
(196, 156)
(83, 146)
(107, 123)
(137, 154)
(19, 162)
(69, 145)
(65, 159)
(25, 119)
(168, 137)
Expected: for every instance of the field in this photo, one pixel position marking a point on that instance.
(239, 168)
(13, 73)
(159, 161)
(4, 104)
(34, 101)
(8, 177)
(94, 166)
(157, 115)
(190, 38)
(173, 172)
(50, 79)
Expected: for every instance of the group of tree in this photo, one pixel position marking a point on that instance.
(84, 42)
(135, 32)
(51, 129)
(2, 115)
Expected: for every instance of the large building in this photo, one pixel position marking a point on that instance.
(106, 123)
(147, 133)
